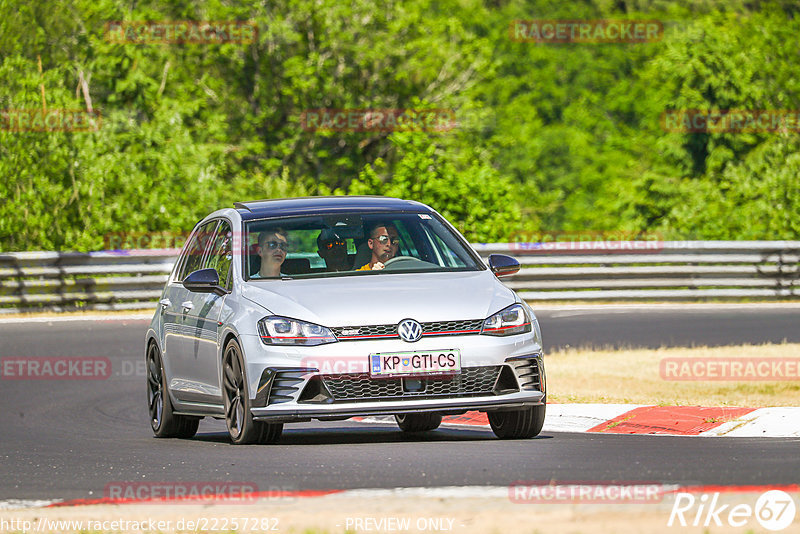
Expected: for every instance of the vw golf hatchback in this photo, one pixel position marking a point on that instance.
(282, 311)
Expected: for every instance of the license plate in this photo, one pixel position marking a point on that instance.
(432, 362)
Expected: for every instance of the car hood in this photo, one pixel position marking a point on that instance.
(383, 298)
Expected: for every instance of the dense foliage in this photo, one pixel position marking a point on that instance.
(548, 137)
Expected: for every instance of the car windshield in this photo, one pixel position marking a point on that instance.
(353, 244)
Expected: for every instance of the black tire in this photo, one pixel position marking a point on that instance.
(238, 417)
(418, 422)
(519, 424)
(164, 423)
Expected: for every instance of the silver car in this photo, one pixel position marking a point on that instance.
(281, 311)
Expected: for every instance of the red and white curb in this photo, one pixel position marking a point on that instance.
(541, 492)
(676, 420)
(653, 420)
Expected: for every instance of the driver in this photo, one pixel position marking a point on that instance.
(384, 241)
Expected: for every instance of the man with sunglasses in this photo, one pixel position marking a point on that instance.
(272, 248)
(332, 248)
(384, 241)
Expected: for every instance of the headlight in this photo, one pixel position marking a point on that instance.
(276, 330)
(507, 322)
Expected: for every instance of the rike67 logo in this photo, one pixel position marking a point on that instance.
(774, 510)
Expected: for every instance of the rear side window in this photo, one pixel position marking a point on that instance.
(192, 257)
(221, 254)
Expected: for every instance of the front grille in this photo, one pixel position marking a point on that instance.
(471, 381)
(365, 332)
(387, 331)
(443, 328)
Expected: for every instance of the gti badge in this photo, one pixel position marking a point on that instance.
(409, 330)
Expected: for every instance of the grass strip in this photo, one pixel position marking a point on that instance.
(638, 376)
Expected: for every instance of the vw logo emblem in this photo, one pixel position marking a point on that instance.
(409, 330)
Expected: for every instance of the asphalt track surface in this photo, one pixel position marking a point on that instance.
(668, 326)
(69, 439)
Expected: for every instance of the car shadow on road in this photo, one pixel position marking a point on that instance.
(352, 435)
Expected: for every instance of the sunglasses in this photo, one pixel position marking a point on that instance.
(383, 239)
(330, 244)
(272, 245)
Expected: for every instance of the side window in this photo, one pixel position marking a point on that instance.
(429, 239)
(407, 247)
(221, 253)
(193, 253)
(451, 260)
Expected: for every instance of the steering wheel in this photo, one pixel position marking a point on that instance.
(399, 258)
(406, 262)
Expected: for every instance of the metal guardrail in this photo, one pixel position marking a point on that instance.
(589, 270)
(60, 281)
(656, 270)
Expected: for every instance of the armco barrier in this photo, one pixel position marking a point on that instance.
(657, 270)
(589, 270)
(57, 281)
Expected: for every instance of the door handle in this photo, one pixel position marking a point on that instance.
(164, 303)
(186, 306)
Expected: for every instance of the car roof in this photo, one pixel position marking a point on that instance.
(281, 207)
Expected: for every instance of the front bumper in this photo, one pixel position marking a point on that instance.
(332, 381)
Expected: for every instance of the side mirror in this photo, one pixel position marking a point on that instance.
(204, 281)
(502, 265)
